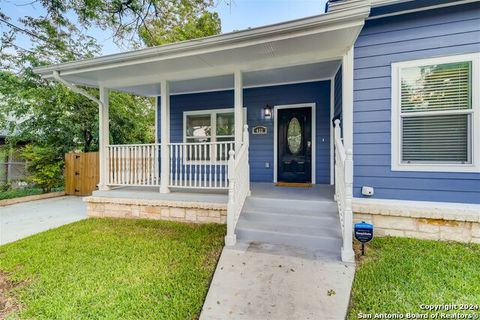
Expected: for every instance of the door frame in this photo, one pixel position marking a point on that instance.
(311, 105)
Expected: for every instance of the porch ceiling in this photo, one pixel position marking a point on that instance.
(292, 74)
(263, 54)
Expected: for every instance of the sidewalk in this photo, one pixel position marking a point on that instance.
(24, 219)
(274, 282)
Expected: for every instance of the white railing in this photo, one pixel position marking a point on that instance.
(238, 186)
(133, 165)
(199, 165)
(344, 192)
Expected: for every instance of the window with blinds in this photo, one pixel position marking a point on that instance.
(436, 113)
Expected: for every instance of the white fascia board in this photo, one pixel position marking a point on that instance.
(381, 3)
(285, 30)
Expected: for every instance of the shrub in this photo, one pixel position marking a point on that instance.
(4, 187)
(44, 166)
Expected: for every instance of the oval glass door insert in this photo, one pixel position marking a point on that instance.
(294, 136)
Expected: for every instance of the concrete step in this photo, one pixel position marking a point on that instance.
(317, 230)
(293, 207)
(291, 218)
(321, 243)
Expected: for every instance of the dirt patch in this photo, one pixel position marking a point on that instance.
(8, 302)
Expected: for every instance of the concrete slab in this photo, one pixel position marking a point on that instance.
(260, 281)
(24, 219)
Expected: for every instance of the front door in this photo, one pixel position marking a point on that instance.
(294, 145)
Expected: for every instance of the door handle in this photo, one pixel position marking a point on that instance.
(309, 144)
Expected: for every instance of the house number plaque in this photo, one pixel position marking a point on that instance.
(259, 130)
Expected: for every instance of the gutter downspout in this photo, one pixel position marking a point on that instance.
(74, 88)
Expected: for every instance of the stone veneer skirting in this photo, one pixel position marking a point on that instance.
(195, 212)
(422, 220)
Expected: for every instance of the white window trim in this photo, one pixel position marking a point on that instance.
(213, 122)
(396, 164)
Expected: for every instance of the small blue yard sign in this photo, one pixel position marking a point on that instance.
(363, 233)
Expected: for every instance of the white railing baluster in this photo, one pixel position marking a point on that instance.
(220, 169)
(182, 167)
(210, 156)
(122, 160)
(177, 164)
(197, 160)
(204, 167)
(191, 161)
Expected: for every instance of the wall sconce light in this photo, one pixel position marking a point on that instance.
(267, 112)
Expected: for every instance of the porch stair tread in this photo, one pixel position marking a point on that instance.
(327, 245)
(287, 206)
(297, 218)
(314, 231)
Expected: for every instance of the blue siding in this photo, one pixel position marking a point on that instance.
(409, 5)
(255, 99)
(454, 30)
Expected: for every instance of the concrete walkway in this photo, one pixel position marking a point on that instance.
(24, 219)
(260, 281)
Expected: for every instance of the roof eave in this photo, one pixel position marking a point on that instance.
(214, 43)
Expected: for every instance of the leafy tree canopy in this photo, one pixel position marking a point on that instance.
(55, 120)
(133, 23)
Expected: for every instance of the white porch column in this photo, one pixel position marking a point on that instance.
(164, 136)
(347, 127)
(103, 137)
(347, 99)
(156, 119)
(238, 107)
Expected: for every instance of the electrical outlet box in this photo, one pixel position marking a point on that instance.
(368, 191)
(267, 165)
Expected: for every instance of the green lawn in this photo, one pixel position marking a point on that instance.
(15, 193)
(399, 274)
(114, 269)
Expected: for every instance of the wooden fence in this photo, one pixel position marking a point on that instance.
(82, 173)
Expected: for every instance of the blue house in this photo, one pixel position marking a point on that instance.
(290, 133)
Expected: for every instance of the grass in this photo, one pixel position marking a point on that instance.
(114, 269)
(22, 192)
(397, 275)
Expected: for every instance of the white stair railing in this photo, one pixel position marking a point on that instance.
(344, 193)
(238, 186)
(133, 165)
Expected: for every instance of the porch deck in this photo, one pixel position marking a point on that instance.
(258, 190)
(152, 193)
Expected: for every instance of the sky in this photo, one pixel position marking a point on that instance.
(241, 14)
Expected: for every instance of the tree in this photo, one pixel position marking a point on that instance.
(132, 22)
(184, 21)
(52, 117)
(47, 113)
